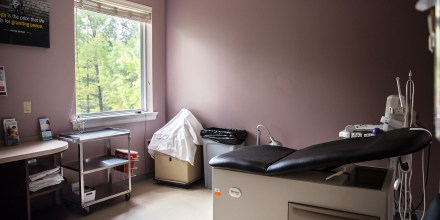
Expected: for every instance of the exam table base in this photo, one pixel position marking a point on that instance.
(304, 195)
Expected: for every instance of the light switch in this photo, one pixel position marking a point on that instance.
(27, 107)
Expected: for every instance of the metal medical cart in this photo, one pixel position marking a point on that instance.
(90, 165)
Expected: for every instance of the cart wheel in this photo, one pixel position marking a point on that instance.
(127, 196)
(86, 210)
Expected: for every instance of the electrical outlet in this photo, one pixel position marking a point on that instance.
(147, 143)
(27, 107)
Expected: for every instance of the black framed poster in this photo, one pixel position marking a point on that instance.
(25, 22)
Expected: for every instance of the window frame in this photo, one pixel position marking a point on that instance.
(89, 120)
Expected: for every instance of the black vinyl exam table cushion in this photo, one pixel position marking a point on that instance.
(271, 160)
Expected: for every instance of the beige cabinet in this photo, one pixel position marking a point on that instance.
(172, 170)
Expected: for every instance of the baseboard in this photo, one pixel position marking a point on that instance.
(142, 177)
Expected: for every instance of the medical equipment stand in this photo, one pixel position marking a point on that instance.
(87, 166)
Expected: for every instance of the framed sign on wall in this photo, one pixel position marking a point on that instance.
(25, 22)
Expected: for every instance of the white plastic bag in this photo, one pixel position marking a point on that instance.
(178, 138)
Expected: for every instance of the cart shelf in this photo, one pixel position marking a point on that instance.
(93, 135)
(103, 192)
(96, 164)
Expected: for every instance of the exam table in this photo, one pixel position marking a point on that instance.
(267, 182)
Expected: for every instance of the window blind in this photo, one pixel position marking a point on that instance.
(119, 8)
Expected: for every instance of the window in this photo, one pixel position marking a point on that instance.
(110, 59)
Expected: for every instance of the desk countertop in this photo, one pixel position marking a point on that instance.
(31, 149)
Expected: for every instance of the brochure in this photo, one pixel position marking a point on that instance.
(46, 131)
(11, 132)
(3, 91)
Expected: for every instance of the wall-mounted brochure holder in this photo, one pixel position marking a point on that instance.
(3, 91)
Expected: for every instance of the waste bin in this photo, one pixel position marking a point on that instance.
(218, 141)
(123, 153)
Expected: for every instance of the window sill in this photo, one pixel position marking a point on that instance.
(112, 119)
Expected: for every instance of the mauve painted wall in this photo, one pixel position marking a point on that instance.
(303, 68)
(47, 78)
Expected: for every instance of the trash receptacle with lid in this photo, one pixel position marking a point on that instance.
(218, 141)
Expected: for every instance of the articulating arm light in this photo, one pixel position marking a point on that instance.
(272, 141)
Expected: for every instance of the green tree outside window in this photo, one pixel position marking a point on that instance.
(108, 63)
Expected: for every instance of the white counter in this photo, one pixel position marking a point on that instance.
(31, 149)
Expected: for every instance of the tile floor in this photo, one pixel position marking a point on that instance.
(148, 201)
